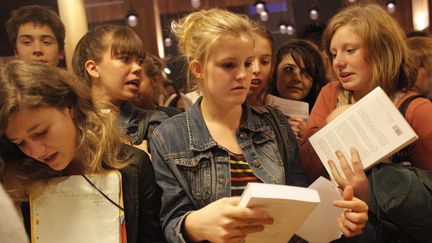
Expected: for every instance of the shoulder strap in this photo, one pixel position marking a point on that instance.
(404, 106)
(403, 154)
(280, 126)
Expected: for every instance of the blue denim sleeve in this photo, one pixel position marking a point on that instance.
(175, 203)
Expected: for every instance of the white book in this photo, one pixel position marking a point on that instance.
(321, 225)
(373, 125)
(289, 206)
(70, 210)
(290, 108)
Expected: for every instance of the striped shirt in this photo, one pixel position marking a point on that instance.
(241, 174)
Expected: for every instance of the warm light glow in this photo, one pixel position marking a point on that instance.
(290, 30)
(314, 14)
(260, 7)
(420, 12)
(132, 20)
(168, 42)
(73, 16)
(196, 4)
(264, 16)
(282, 28)
(391, 7)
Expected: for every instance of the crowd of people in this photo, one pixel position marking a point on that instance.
(185, 163)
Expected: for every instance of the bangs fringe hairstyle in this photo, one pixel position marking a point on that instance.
(305, 52)
(121, 39)
(198, 32)
(385, 42)
(31, 85)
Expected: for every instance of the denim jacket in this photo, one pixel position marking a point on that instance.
(138, 123)
(194, 171)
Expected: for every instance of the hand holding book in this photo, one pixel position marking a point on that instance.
(354, 176)
(225, 220)
(373, 125)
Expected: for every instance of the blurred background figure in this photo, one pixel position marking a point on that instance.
(175, 98)
(151, 87)
(421, 48)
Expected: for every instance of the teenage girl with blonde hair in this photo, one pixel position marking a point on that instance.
(204, 157)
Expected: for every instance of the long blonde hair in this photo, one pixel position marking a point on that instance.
(387, 51)
(30, 85)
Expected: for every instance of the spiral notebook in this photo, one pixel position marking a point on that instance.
(70, 209)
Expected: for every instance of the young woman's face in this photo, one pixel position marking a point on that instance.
(47, 135)
(292, 82)
(262, 66)
(228, 71)
(349, 61)
(119, 77)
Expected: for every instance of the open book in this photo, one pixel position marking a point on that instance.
(290, 108)
(289, 206)
(373, 125)
(69, 210)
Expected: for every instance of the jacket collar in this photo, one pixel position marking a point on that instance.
(199, 135)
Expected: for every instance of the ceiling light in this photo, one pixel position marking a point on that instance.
(168, 42)
(195, 4)
(314, 14)
(391, 6)
(260, 6)
(264, 16)
(290, 30)
(132, 18)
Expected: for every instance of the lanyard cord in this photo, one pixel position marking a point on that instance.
(103, 194)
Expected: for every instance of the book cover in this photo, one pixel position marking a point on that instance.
(289, 206)
(373, 125)
(69, 210)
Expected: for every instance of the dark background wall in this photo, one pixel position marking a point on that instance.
(6, 7)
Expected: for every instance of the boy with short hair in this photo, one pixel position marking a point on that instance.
(37, 34)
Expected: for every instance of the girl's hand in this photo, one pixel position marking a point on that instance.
(355, 216)
(224, 221)
(354, 176)
(298, 125)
